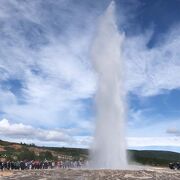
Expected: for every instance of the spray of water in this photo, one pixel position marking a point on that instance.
(109, 148)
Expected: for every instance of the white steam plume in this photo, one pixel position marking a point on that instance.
(109, 148)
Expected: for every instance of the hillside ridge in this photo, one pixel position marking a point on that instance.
(21, 151)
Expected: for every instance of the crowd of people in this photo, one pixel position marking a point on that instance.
(23, 165)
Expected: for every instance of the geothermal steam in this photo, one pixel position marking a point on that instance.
(109, 148)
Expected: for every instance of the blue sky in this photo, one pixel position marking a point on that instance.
(48, 84)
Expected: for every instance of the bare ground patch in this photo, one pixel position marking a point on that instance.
(85, 174)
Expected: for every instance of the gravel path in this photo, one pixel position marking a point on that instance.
(83, 174)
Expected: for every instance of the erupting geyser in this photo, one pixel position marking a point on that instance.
(109, 147)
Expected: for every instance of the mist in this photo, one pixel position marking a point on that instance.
(109, 146)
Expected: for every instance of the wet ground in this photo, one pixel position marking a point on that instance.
(83, 174)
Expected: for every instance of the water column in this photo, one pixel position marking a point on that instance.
(109, 146)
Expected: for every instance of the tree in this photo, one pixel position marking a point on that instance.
(46, 155)
(27, 155)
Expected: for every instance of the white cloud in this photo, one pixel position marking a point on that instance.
(153, 141)
(20, 131)
(63, 74)
(150, 71)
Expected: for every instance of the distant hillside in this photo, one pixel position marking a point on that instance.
(155, 158)
(15, 151)
(22, 151)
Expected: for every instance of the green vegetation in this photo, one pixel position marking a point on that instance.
(23, 151)
(75, 153)
(46, 155)
(26, 154)
(4, 143)
(154, 158)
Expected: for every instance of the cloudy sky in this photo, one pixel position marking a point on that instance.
(47, 82)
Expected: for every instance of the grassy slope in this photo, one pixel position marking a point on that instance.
(20, 151)
(150, 157)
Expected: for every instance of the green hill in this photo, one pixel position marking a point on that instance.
(22, 151)
(155, 158)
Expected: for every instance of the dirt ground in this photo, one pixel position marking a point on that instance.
(85, 174)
